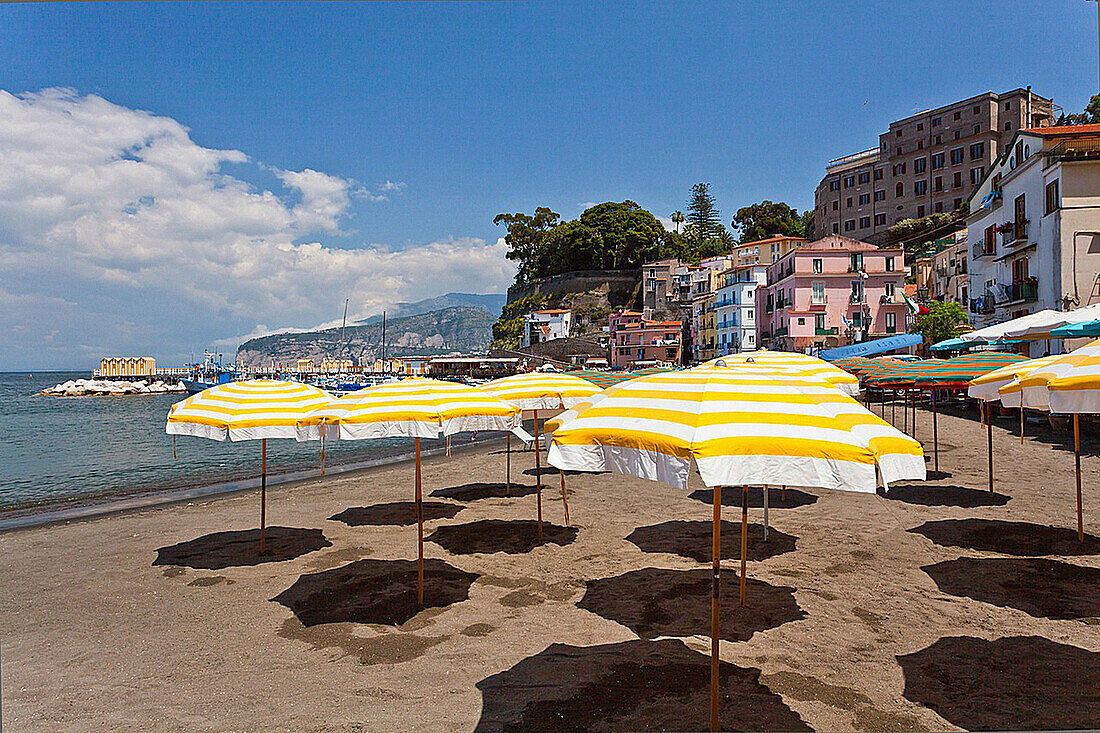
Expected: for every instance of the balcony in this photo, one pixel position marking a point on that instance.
(1073, 149)
(1016, 235)
(818, 302)
(1026, 291)
(783, 303)
(985, 249)
(781, 332)
(855, 298)
(826, 331)
(982, 305)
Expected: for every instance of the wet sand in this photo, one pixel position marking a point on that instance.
(860, 622)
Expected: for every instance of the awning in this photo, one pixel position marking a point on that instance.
(866, 348)
(1077, 330)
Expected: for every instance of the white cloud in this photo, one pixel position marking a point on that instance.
(667, 223)
(125, 236)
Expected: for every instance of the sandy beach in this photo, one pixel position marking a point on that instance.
(935, 607)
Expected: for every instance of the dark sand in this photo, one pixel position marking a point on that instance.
(890, 633)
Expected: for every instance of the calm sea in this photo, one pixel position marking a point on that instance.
(58, 452)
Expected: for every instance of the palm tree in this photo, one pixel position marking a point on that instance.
(677, 219)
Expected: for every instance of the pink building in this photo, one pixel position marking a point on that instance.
(634, 339)
(832, 292)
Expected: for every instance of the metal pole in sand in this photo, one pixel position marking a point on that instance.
(419, 532)
(538, 473)
(905, 410)
(564, 500)
(1021, 420)
(935, 431)
(744, 536)
(765, 513)
(508, 463)
(989, 443)
(263, 495)
(715, 624)
(1077, 463)
(893, 407)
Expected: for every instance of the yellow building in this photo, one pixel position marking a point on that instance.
(332, 365)
(127, 366)
(304, 366)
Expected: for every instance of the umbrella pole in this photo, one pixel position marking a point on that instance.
(905, 410)
(419, 532)
(263, 495)
(564, 501)
(508, 463)
(1077, 463)
(1021, 420)
(744, 536)
(894, 407)
(935, 432)
(989, 445)
(322, 449)
(765, 513)
(538, 474)
(715, 624)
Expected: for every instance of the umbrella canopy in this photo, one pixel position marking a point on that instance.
(741, 427)
(608, 379)
(987, 386)
(248, 410)
(411, 408)
(1077, 330)
(1030, 390)
(854, 364)
(958, 372)
(901, 373)
(956, 344)
(804, 363)
(1076, 388)
(542, 390)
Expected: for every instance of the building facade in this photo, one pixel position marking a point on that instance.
(127, 366)
(926, 163)
(831, 292)
(546, 325)
(634, 340)
(950, 270)
(1034, 228)
(735, 309)
(763, 251)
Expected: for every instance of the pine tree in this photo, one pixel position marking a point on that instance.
(703, 216)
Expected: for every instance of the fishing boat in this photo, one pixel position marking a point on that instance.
(207, 373)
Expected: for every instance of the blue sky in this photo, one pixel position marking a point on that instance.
(439, 116)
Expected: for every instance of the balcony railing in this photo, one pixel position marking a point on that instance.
(1073, 149)
(982, 305)
(781, 332)
(1018, 233)
(818, 302)
(855, 298)
(981, 249)
(1023, 291)
(826, 331)
(783, 303)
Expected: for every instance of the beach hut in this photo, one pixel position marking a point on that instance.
(740, 427)
(540, 391)
(255, 409)
(412, 408)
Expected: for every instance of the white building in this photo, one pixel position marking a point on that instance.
(546, 325)
(735, 309)
(1034, 228)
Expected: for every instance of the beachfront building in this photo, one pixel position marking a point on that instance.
(735, 309)
(332, 365)
(303, 366)
(831, 292)
(670, 283)
(127, 366)
(949, 279)
(546, 325)
(1034, 228)
(634, 340)
(703, 327)
(764, 251)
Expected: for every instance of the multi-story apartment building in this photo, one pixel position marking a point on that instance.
(1034, 228)
(763, 251)
(735, 309)
(832, 292)
(637, 340)
(670, 283)
(546, 325)
(926, 163)
(950, 281)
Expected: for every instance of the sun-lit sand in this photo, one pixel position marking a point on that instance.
(939, 607)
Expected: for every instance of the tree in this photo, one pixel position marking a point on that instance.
(941, 322)
(625, 234)
(677, 219)
(526, 239)
(703, 217)
(1090, 116)
(767, 219)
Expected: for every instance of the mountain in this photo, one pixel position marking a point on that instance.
(465, 328)
(493, 303)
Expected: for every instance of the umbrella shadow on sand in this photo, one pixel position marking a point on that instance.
(693, 540)
(632, 685)
(399, 513)
(944, 495)
(1013, 683)
(1037, 586)
(481, 490)
(777, 498)
(1008, 538)
(499, 535)
(550, 470)
(374, 592)
(242, 547)
(655, 602)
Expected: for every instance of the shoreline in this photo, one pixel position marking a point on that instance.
(42, 515)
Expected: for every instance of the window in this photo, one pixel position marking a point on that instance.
(920, 211)
(891, 322)
(899, 150)
(818, 264)
(939, 139)
(850, 225)
(920, 145)
(937, 184)
(817, 294)
(957, 115)
(880, 220)
(836, 228)
(898, 133)
(878, 174)
(977, 129)
(849, 202)
(864, 198)
(1052, 199)
(857, 319)
(976, 175)
(919, 165)
(891, 289)
(937, 121)
(864, 177)
(977, 150)
(920, 126)
(920, 188)
(864, 222)
(1008, 125)
(750, 314)
(956, 203)
(801, 321)
(938, 207)
(880, 195)
(956, 135)
(889, 264)
(937, 161)
(899, 169)
(819, 322)
(957, 156)
(899, 190)
(977, 109)
(849, 181)
(836, 205)
(1020, 219)
(1008, 106)
(857, 291)
(957, 180)
(990, 240)
(834, 185)
(855, 261)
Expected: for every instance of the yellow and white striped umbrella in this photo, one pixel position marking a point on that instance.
(987, 386)
(844, 381)
(1031, 390)
(411, 408)
(741, 426)
(1076, 388)
(255, 409)
(542, 390)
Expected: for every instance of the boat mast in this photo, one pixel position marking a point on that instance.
(340, 352)
(383, 342)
